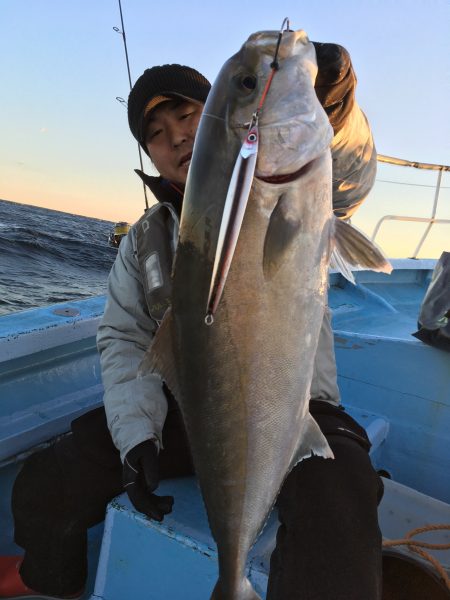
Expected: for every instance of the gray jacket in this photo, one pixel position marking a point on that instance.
(136, 408)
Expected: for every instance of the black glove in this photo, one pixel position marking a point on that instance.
(141, 478)
(335, 82)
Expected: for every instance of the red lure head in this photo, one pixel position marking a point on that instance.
(250, 145)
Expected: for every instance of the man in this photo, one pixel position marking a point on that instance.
(328, 544)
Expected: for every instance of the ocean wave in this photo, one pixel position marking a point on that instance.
(48, 256)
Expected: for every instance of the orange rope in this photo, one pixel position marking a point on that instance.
(417, 546)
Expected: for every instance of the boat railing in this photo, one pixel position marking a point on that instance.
(431, 220)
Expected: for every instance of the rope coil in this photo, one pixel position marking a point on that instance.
(418, 546)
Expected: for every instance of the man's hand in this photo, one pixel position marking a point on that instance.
(141, 478)
(335, 83)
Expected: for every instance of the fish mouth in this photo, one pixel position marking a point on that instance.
(288, 177)
(185, 159)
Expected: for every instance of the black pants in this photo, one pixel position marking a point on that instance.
(328, 544)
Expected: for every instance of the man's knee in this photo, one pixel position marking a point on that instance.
(38, 489)
(355, 472)
(344, 484)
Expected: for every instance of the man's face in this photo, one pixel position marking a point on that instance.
(170, 137)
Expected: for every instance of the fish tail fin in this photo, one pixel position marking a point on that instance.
(352, 248)
(313, 442)
(244, 591)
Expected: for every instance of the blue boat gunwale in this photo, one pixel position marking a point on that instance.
(40, 321)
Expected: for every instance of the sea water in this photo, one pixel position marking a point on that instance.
(47, 256)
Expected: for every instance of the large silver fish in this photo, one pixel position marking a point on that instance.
(243, 382)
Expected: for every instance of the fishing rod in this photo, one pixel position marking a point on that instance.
(121, 100)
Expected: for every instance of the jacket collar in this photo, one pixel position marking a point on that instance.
(163, 190)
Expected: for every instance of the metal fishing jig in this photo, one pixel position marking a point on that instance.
(237, 198)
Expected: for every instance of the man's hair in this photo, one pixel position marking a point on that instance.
(167, 81)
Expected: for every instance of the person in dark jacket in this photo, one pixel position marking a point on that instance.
(329, 543)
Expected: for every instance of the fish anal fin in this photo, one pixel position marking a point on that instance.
(284, 226)
(352, 248)
(160, 357)
(313, 442)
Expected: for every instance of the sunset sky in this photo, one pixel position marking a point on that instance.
(65, 142)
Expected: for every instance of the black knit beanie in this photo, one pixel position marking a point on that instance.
(165, 80)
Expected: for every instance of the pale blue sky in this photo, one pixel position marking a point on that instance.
(65, 138)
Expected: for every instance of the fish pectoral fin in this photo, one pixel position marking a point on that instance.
(284, 226)
(313, 442)
(352, 248)
(159, 358)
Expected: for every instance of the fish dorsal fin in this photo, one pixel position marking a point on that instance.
(352, 248)
(159, 358)
(284, 225)
(313, 442)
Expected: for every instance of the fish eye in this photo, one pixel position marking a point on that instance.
(249, 82)
(245, 82)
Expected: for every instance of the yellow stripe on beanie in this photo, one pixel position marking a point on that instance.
(153, 103)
